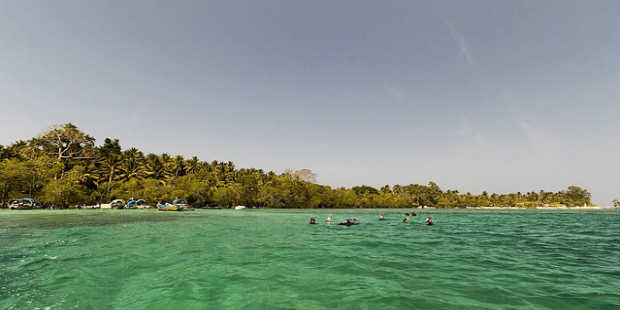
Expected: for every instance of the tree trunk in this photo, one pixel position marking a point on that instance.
(110, 177)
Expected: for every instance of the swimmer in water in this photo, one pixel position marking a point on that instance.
(429, 221)
(406, 220)
(349, 222)
(312, 220)
(381, 218)
(329, 219)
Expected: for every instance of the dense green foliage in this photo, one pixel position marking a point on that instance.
(64, 167)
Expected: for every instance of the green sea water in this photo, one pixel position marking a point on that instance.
(273, 259)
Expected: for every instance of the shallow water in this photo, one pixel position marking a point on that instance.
(272, 259)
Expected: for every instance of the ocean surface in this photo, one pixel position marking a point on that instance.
(273, 259)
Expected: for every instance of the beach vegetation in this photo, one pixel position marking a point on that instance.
(64, 167)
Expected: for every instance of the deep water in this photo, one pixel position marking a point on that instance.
(273, 259)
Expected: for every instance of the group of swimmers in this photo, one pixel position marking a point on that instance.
(347, 222)
(428, 221)
(355, 221)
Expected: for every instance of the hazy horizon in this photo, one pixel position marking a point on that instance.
(477, 95)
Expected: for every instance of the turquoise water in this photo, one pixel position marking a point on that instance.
(272, 259)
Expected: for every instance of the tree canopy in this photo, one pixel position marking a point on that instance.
(64, 167)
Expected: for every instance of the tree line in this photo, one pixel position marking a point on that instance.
(64, 167)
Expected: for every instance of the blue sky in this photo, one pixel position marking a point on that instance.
(474, 95)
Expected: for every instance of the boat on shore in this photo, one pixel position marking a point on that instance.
(130, 204)
(176, 205)
(135, 204)
(183, 204)
(168, 207)
(22, 204)
(117, 204)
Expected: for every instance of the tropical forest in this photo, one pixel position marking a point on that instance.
(64, 167)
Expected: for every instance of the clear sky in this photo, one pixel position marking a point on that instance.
(502, 96)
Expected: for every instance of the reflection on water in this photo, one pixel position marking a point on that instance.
(272, 259)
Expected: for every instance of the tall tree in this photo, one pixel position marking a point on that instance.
(192, 165)
(109, 159)
(132, 165)
(178, 165)
(155, 168)
(66, 142)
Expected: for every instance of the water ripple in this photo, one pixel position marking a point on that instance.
(275, 260)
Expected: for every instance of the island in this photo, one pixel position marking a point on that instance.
(63, 167)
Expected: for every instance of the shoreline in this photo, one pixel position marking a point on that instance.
(335, 209)
(549, 208)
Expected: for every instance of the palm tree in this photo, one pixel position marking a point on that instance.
(155, 168)
(178, 165)
(192, 165)
(168, 163)
(108, 160)
(132, 166)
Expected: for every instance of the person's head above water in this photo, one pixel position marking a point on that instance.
(312, 220)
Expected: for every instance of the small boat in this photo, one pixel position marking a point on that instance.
(239, 207)
(23, 204)
(117, 204)
(183, 204)
(169, 207)
(134, 204)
